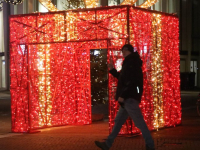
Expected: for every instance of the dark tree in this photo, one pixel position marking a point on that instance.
(99, 76)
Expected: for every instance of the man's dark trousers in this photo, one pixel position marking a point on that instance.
(130, 108)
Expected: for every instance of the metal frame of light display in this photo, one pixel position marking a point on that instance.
(50, 65)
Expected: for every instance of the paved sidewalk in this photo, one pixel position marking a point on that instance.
(83, 137)
(183, 137)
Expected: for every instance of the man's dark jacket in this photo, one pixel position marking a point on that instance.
(130, 78)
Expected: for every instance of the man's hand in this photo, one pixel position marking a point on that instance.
(110, 65)
(121, 100)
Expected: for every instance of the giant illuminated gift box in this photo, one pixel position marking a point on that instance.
(50, 65)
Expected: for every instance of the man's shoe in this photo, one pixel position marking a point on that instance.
(102, 145)
(148, 148)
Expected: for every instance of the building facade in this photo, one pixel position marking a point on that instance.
(187, 11)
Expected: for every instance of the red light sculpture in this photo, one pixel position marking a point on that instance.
(50, 65)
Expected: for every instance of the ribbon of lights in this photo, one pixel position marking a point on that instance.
(94, 3)
(156, 76)
(129, 2)
(50, 65)
(14, 2)
(91, 3)
(148, 3)
(49, 5)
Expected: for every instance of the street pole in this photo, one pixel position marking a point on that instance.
(6, 13)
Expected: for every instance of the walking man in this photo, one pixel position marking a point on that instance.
(128, 94)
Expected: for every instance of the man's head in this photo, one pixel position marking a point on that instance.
(127, 49)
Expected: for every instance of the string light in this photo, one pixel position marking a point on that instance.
(159, 104)
(14, 2)
(99, 79)
(91, 3)
(148, 3)
(51, 7)
(129, 2)
(94, 3)
(50, 65)
(156, 76)
(48, 5)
